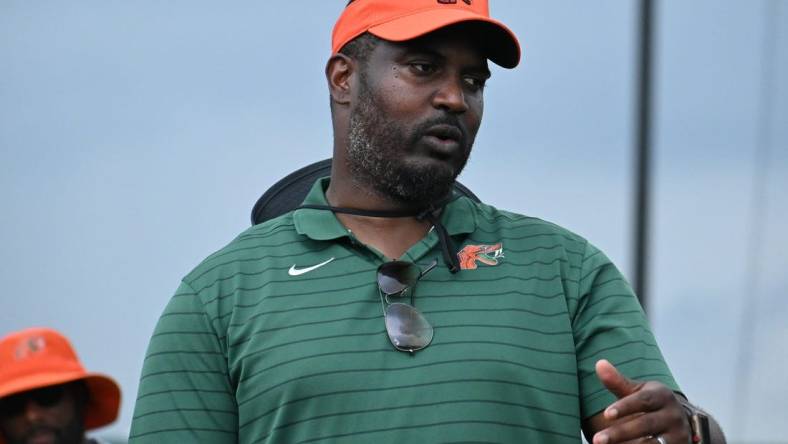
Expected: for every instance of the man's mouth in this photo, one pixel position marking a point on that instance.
(444, 139)
(445, 132)
(41, 437)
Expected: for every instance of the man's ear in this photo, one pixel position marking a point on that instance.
(339, 73)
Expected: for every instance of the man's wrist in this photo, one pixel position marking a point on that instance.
(698, 422)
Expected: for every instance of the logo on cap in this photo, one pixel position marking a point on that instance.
(454, 2)
(30, 346)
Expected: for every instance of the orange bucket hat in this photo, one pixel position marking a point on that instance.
(400, 20)
(40, 357)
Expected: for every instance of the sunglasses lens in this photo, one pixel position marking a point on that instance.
(396, 276)
(407, 328)
(12, 406)
(48, 396)
(44, 397)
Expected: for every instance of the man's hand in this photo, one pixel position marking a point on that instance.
(644, 411)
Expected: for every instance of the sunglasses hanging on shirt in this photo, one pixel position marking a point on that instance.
(407, 328)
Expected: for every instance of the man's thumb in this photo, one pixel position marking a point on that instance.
(617, 383)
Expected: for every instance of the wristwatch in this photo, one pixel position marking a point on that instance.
(698, 421)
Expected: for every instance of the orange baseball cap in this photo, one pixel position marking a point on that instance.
(40, 357)
(400, 20)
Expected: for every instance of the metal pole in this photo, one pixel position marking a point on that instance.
(642, 205)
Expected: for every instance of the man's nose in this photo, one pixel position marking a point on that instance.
(33, 412)
(450, 96)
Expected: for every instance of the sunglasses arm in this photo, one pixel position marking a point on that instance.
(429, 268)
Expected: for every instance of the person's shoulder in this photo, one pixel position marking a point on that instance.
(253, 245)
(491, 218)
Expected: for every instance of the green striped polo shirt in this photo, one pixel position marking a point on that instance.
(279, 337)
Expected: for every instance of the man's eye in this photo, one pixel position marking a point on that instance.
(475, 83)
(422, 68)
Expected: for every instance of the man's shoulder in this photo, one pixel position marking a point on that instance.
(521, 226)
(254, 244)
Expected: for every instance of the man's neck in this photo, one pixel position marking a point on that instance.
(392, 236)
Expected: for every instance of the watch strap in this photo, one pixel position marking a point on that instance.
(698, 422)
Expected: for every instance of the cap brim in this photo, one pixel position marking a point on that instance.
(501, 44)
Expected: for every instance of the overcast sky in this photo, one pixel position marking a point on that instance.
(135, 137)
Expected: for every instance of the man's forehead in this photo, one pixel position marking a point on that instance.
(456, 40)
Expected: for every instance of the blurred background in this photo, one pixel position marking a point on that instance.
(135, 137)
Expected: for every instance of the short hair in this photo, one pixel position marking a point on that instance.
(360, 47)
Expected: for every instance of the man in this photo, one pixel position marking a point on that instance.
(491, 327)
(46, 395)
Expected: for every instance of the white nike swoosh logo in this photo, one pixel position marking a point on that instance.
(293, 271)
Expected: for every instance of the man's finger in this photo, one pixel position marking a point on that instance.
(638, 427)
(632, 429)
(617, 383)
(650, 397)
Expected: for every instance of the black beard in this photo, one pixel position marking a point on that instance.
(375, 155)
